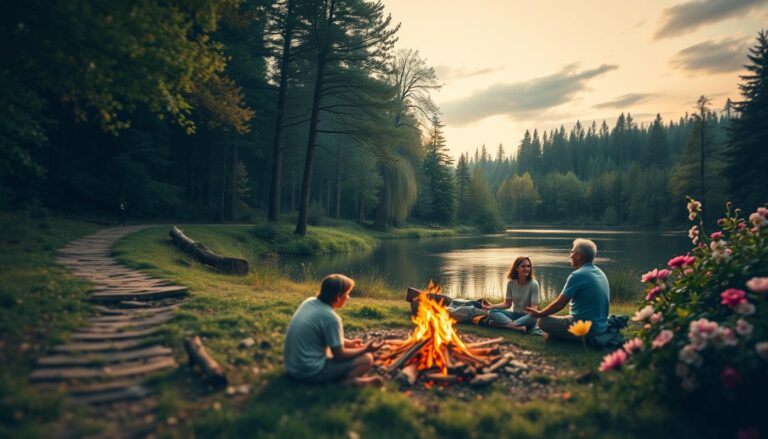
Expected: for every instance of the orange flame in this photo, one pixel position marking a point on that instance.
(434, 326)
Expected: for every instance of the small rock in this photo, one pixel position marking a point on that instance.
(231, 390)
(246, 342)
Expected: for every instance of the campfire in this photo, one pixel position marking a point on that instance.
(434, 352)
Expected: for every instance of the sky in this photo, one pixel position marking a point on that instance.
(509, 65)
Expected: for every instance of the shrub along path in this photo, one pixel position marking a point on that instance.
(106, 364)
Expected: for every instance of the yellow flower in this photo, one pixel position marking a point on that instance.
(580, 328)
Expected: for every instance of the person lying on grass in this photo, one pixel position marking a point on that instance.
(522, 293)
(588, 292)
(315, 328)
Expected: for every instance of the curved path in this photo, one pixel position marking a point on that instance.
(106, 363)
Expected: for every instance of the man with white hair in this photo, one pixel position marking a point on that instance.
(587, 291)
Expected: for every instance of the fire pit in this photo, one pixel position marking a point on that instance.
(434, 352)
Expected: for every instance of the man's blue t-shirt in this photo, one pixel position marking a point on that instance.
(590, 294)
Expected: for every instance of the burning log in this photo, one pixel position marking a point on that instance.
(407, 355)
(440, 378)
(407, 375)
(486, 351)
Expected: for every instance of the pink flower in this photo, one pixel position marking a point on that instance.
(650, 276)
(724, 337)
(743, 327)
(716, 235)
(688, 271)
(742, 225)
(633, 345)
(663, 338)
(694, 207)
(758, 219)
(613, 360)
(732, 297)
(656, 317)
(758, 284)
(730, 378)
(652, 293)
(681, 261)
(663, 274)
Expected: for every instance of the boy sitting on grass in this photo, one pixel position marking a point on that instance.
(315, 328)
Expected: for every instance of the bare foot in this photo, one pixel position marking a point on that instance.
(374, 380)
(521, 329)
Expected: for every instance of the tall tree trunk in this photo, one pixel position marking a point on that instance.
(301, 225)
(338, 189)
(277, 146)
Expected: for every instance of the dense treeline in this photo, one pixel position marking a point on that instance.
(222, 110)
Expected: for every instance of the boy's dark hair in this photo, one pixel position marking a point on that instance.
(333, 286)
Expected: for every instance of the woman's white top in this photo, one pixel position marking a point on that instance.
(523, 295)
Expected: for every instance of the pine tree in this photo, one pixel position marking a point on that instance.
(437, 171)
(657, 152)
(747, 153)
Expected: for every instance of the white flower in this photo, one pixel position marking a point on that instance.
(745, 308)
(720, 251)
(758, 220)
(698, 341)
(643, 314)
(689, 355)
(694, 207)
(762, 349)
(743, 327)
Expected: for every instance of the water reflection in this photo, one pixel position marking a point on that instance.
(476, 266)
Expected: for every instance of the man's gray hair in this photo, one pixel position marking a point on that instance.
(586, 248)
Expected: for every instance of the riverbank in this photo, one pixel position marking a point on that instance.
(227, 309)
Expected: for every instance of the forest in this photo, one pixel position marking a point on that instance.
(230, 111)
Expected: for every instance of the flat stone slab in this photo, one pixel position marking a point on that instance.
(118, 371)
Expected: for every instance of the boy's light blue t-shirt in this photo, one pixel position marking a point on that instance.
(314, 328)
(590, 295)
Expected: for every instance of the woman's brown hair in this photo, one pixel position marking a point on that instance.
(333, 286)
(513, 271)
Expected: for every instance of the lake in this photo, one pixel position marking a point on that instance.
(476, 266)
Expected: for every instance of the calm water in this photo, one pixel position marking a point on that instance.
(476, 266)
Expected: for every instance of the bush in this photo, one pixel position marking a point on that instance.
(704, 343)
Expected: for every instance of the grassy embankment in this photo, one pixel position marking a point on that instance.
(225, 309)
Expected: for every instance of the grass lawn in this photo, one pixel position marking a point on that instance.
(225, 309)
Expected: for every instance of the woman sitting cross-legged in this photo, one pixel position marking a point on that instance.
(315, 328)
(522, 292)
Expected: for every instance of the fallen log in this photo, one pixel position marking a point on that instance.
(206, 256)
(485, 351)
(439, 377)
(198, 355)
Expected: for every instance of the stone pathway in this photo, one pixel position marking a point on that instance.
(106, 363)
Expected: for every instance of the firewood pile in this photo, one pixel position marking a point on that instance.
(434, 352)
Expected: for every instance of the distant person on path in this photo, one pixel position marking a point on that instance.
(315, 328)
(522, 293)
(123, 208)
(588, 292)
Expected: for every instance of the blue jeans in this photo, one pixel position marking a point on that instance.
(502, 317)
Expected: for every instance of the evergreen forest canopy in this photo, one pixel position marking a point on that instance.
(225, 110)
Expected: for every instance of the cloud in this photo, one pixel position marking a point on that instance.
(687, 17)
(445, 73)
(714, 57)
(624, 100)
(521, 100)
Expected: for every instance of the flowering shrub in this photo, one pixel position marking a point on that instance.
(704, 335)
